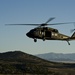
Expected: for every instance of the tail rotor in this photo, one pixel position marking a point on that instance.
(73, 30)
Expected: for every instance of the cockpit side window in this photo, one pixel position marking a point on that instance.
(55, 30)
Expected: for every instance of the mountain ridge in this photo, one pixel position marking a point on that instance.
(57, 56)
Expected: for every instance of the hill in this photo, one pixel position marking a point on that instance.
(17, 62)
(58, 57)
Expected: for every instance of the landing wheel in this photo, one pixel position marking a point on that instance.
(43, 39)
(35, 40)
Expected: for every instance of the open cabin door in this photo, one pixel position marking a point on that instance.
(48, 34)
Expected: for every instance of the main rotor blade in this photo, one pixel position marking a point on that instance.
(50, 19)
(24, 24)
(43, 24)
(61, 23)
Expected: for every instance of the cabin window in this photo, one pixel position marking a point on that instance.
(54, 34)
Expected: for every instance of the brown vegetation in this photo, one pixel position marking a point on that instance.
(18, 62)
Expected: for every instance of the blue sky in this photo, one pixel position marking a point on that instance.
(35, 11)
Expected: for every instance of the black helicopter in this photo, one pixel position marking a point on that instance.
(47, 33)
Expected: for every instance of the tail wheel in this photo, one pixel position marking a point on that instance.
(68, 42)
(35, 40)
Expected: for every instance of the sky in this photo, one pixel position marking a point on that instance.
(13, 38)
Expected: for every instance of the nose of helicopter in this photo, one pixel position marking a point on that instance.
(27, 34)
(30, 34)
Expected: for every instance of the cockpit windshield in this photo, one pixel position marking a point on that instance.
(32, 30)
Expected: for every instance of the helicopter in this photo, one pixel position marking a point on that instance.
(47, 33)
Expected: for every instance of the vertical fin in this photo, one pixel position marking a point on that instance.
(73, 35)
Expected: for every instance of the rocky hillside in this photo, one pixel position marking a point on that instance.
(18, 62)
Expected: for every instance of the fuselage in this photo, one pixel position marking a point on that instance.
(46, 33)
